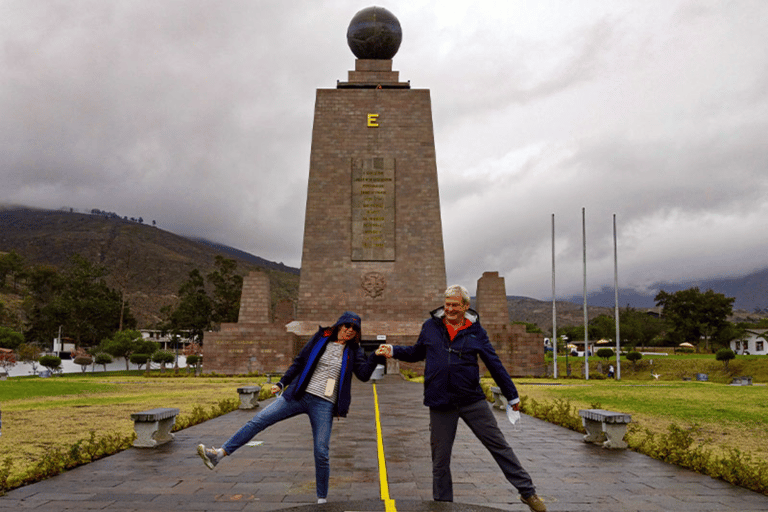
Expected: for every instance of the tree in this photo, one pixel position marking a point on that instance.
(193, 313)
(7, 359)
(29, 353)
(605, 353)
(103, 359)
(638, 328)
(694, 315)
(139, 360)
(53, 363)
(78, 300)
(227, 288)
(10, 338)
(725, 355)
(163, 357)
(125, 343)
(193, 360)
(602, 327)
(11, 264)
(634, 356)
(84, 362)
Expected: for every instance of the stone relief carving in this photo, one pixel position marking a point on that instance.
(373, 283)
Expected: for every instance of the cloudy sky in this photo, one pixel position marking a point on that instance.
(198, 115)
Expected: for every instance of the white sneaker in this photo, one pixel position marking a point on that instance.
(209, 455)
(321, 501)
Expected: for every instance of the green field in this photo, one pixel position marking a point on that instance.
(41, 415)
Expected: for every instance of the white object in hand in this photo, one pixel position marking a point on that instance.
(514, 418)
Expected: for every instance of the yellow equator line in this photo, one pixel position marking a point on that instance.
(389, 504)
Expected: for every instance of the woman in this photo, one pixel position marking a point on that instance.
(317, 384)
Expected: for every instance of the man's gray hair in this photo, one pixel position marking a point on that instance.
(456, 290)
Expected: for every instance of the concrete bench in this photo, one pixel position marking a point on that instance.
(249, 397)
(499, 400)
(605, 427)
(153, 427)
(742, 381)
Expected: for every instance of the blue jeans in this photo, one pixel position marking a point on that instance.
(320, 414)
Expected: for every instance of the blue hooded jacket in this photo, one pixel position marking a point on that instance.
(451, 372)
(353, 361)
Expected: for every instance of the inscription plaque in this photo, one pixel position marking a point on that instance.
(373, 209)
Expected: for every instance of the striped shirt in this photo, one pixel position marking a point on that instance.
(328, 368)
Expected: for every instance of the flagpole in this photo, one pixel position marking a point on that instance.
(554, 302)
(586, 316)
(616, 298)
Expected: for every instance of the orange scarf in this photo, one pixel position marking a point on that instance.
(452, 331)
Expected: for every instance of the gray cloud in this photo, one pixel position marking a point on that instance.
(198, 114)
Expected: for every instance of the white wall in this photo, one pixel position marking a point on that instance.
(68, 366)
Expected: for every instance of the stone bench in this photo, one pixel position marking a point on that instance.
(605, 427)
(249, 397)
(742, 381)
(153, 427)
(499, 400)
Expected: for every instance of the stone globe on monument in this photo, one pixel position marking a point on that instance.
(374, 33)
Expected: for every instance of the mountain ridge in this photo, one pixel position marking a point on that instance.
(146, 262)
(151, 264)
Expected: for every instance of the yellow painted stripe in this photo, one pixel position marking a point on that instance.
(389, 504)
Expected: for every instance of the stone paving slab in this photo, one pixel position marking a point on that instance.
(569, 474)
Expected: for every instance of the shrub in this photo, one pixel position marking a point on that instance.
(163, 357)
(139, 359)
(103, 359)
(634, 356)
(83, 361)
(605, 353)
(53, 363)
(725, 355)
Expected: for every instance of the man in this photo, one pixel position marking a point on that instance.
(450, 342)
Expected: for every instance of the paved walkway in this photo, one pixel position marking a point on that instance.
(569, 474)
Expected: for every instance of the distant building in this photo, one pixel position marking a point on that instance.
(752, 343)
(165, 339)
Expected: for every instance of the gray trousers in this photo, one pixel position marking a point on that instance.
(480, 419)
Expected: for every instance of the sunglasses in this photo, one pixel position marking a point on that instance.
(349, 325)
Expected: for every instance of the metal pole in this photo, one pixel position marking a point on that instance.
(616, 297)
(586, 316)
(554, 303)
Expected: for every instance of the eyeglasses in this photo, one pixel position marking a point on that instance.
(349, 325)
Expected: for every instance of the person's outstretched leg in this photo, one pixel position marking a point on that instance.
(480, 419)
(321, 418)
(278, 410)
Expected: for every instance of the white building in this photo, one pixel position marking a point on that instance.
(753, 343)
(166, 339)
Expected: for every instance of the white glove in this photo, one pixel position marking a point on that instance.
(514, 417)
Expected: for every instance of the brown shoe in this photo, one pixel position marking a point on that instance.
(534, 503)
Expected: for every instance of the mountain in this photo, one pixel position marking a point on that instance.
(151, 264)
(526, 309)
(539, 312)
(148, 263)
(750, 292)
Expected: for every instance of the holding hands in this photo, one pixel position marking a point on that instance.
(384, 350)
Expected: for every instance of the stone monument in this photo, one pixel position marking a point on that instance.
(255, 343)
(373, 240)
(521, 352)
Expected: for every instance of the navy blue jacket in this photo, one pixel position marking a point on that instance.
(451, 371)
(353, 361)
